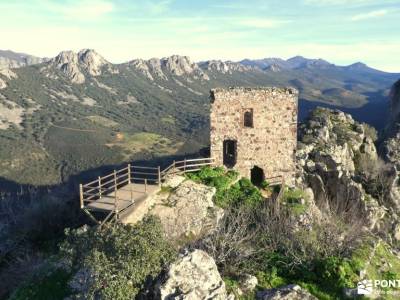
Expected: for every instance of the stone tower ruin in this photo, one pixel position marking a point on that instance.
(254, 131)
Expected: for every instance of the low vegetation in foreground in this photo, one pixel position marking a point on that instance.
(255, 236)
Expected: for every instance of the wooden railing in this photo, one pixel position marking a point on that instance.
(187, 165)
(111, 183)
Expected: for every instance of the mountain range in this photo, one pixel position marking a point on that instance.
(77, 111)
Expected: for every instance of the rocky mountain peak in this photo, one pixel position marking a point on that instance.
(175, 65)
(182, 65)
(92, 61)
(302, 62)
(227, 67)
(358, 65)
(75, 65)
(65, 57)
(179, 65)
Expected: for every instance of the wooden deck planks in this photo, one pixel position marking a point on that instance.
(127, 196)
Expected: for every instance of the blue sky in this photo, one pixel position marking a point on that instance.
(341, 31)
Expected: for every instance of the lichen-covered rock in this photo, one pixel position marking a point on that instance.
(391, 146)
(194, 276)
(331, 144)
(173, 180)
(188, 211)
(289, 292)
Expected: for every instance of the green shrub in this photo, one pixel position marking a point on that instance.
(226, 193)
(121, 257)
(241, 193)
(205, 174)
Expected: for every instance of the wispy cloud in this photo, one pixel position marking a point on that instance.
(158, 7)
(370, 15)
(82, 10)
(262, 23)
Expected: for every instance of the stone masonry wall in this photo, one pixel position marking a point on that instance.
(271, 143)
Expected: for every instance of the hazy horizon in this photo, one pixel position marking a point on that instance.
(340, 31)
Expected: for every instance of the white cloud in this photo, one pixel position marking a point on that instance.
(262, 23)
(370, 15)
(82, 10)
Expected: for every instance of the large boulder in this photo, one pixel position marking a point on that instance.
(194, 276)
(188, 211)
(289, 292)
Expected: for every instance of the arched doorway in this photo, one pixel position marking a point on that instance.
(257, 175)
(230, 153)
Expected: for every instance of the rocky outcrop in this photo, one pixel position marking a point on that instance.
(188, 211)
(76, 66)
(68, 63)
(289, 292)
(7, 75)
(3, 84)
(329, 153)
(227, 67)
(194, 276)
(391, 146)
(174, 65)
(273, 68)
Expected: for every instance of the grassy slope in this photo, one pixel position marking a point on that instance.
(177, 117)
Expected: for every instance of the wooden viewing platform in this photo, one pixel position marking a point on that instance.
(116, 192)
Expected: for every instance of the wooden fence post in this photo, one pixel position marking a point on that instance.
(145, 185)
(159, 176)
(129, 173)
(81, 195)
(184, 166)
(99, 187)
(115, 192)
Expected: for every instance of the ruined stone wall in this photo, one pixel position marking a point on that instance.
(271, 143)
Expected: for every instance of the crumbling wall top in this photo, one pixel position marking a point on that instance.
(252, 90)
